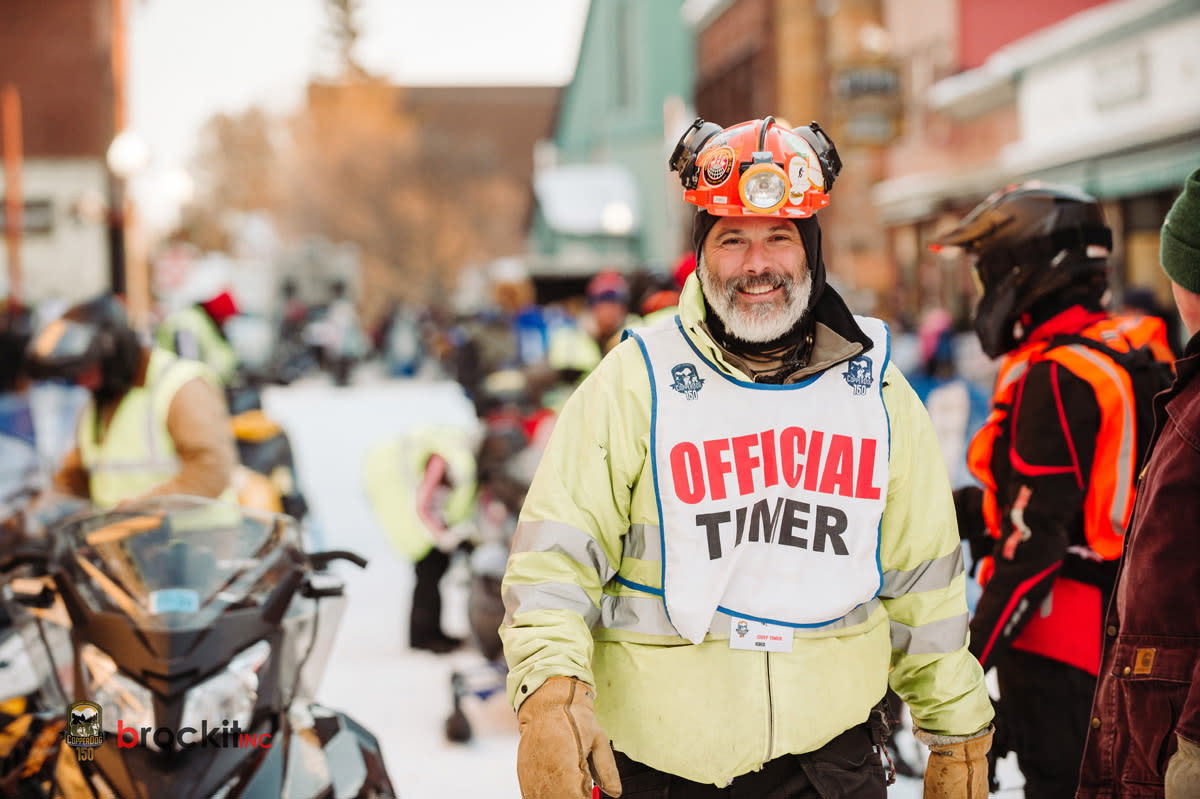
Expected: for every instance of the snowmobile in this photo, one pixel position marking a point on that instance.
(179, 642)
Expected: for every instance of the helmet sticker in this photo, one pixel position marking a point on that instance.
(815, 176)
(718, 165)
(797, 167)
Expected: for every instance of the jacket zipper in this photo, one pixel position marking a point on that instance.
(770, 711)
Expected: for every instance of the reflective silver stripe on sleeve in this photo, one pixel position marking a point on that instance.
(548, 596)
(928, 576)
(549, 536)
(639, 614)
(643, 542)
(946, 635)
(645, 614)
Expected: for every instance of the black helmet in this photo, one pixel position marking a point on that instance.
(92, 333)
(1032, 242)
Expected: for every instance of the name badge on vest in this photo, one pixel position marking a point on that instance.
(757, 636)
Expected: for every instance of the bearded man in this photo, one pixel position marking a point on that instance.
(741, 531)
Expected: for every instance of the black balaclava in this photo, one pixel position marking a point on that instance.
(825, 305)
(795, 346)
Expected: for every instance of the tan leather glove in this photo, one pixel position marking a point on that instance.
(958, 770)
(562, 748)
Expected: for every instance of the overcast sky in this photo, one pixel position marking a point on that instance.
(190, 59)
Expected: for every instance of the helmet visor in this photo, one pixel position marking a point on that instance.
(62, 348)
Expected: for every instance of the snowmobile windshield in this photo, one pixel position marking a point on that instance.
(176, 563)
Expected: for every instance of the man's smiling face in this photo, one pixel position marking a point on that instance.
(754, 272)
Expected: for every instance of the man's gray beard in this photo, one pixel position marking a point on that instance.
(761, 321)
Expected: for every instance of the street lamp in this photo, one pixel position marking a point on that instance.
(127, 155)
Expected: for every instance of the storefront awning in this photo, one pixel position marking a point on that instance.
(1115, 164)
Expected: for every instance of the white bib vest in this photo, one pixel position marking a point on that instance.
(770, 496)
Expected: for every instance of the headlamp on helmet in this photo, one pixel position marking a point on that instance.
(756, 168)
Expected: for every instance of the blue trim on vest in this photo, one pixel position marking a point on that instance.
(887, 358)
(734, 380)
(631, 584)
(662, 536)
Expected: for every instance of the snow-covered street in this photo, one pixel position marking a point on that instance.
(404, 696)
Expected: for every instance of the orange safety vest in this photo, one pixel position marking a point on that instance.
(1067, 626)
(1109, 500)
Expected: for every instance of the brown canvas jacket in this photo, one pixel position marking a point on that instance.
(1149, 687)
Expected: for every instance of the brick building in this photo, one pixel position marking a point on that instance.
(1099, 95)
(58, 56)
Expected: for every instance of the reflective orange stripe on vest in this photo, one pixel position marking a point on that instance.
(1142, 331)
(979, 453)
(1109, 498)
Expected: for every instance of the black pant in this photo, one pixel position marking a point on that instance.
(1045, 706)
(848, 767)
(425, 623)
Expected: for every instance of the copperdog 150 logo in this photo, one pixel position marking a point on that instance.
(85, 729)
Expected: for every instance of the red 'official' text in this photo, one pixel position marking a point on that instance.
(827, 464)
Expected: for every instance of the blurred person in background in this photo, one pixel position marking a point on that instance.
(1144, 737)
(397, 340)
(608, 309)
(516, 299)
(197, 330)
(599, 328)
(956, 406)
(687, 610)
(294, 353)
(19, 463)
(1057, 460)
(1140, 301)
(683, 268)
(421, 487)
(339, 334)
(155, 424)
(655, 297)
(509, 333)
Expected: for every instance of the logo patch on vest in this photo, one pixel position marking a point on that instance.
(686, 380)
(1143, 661)
(858, 374)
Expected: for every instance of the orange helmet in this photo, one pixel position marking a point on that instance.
(756, 168)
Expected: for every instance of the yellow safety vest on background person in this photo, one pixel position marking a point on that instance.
(393, 470)
(190, 328)
(137, 452)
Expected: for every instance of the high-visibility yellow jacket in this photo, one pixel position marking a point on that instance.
(589, 531)
(393, 470)
(191, 333)
(136, 452)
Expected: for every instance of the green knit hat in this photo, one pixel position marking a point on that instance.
(1179, 247)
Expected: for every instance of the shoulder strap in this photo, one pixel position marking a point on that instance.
(1066, 339)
